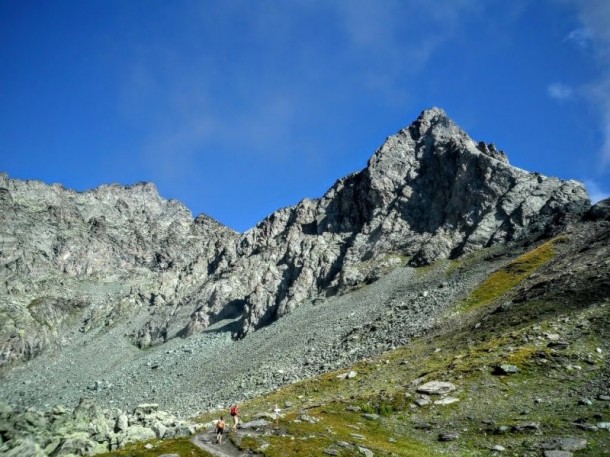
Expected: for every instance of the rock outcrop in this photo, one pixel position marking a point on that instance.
(74, 261)
(77, 261)
(87, 430)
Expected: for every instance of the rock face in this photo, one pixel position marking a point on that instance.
(80, 261)
(429, 192)
(75, 261)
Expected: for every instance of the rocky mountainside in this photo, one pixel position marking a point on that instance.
(438, 245)
(511, 357)
(78, 261)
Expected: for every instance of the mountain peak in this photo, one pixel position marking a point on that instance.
(432, 113)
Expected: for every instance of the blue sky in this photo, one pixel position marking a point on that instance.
(238, 108)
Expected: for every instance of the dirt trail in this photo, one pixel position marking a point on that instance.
(207, 442)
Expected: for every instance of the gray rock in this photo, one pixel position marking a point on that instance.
(308, 418)
(24, 448)
(371, 416)
(138, 433)
(159, 429)
(260, 423)
(502, 429)
(527, 426)
(448, 436)
(77, 443)
(122, 422)
(558, 345)
(557, 453)
(330, 451)
(446, 401)
(422, 402)
(572, 444)
(505, 369)
(366, 452)
(145, 409)
(436, 388)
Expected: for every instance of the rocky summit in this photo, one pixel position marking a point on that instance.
(119, 294)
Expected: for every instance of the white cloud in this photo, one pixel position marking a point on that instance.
(581, 37)
(595, 191)
(560, 91)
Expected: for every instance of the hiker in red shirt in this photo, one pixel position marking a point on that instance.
(235, 415)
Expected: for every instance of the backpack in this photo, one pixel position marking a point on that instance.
(220, 425)
(234, 410)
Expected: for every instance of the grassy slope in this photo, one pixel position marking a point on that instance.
(546, 390)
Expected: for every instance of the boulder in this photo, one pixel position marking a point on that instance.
(122, 423)
(23, 448)
(78, 443)
(137, 433)
(159, 429)
(259, 423)
(436, 388)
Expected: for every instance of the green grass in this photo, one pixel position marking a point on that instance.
(181, 446)
(508, 277)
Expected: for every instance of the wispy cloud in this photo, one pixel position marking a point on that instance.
(581, 37)
(594, 34)
(376, 32)
(595, 191)
(560, 91)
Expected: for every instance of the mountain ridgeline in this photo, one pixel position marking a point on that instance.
(78, 261)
